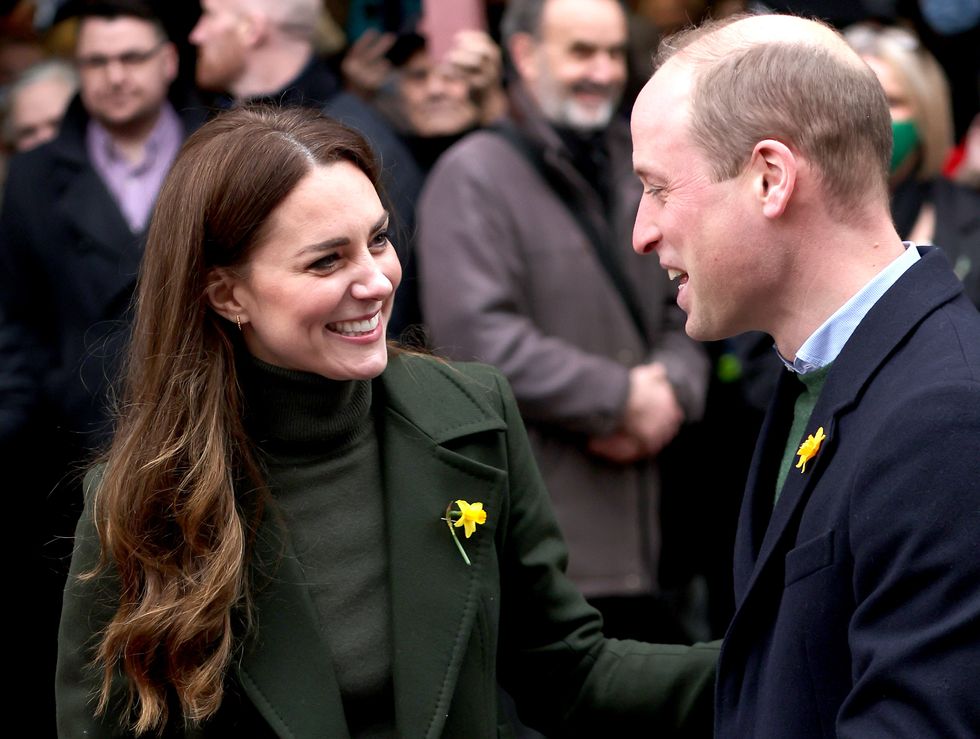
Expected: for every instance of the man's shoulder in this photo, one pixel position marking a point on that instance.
(479, 151)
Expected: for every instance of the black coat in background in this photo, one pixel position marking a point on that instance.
(68, 265)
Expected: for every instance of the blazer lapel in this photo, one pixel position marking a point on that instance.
(103, 248)
(286, 669)
(91, 210)
(756, 510)
(435, 594)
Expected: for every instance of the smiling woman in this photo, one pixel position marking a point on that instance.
(264, 549)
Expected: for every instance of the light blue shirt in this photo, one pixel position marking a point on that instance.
(824, 344)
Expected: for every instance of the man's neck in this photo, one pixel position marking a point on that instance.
(847, 259)
(130, 139)
(271, 69)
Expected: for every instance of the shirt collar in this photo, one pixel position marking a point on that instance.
(166, 127)
(824, 344)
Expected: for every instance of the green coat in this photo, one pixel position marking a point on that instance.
(446, 432)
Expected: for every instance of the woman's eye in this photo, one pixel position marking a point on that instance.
(325, 263)
(380, 240)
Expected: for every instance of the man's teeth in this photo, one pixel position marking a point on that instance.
(356, 327)
(673, 274)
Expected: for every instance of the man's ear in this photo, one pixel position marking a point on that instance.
(221, 295)
(772, 168)
(170, 60)
(522, 48)
(254, 27)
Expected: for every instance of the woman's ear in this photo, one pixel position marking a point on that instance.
(773, 167)
(221, 295)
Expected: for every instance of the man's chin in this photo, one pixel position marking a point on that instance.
(588, 118)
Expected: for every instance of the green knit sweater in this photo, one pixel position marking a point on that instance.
(812, 385)
(318, 443)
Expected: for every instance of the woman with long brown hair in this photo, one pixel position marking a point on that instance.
(299, 533)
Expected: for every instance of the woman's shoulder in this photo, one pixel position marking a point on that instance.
(424, 382)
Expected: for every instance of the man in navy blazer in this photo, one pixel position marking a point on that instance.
(763, 146)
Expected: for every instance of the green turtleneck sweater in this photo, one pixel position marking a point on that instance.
(318, 442)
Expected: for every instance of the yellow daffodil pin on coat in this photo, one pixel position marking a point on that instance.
(809, 448)
(469, 516)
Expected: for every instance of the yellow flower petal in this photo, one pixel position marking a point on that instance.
(470, 516)
(809, 448)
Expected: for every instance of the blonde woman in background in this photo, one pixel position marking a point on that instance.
(927, 207)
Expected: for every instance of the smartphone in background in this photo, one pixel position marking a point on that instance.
(441, 19)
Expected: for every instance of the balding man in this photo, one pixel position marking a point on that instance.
(763, 147)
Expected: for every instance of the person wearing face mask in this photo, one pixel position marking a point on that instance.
(927, 207)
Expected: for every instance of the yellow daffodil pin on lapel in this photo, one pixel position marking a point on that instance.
(809, 448)
(466, 515)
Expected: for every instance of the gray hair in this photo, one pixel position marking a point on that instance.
(53, 69)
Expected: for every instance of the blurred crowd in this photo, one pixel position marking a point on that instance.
(503, 133)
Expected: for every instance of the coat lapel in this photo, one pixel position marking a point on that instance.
(761, 481)
(435, 595)
(876, 337)
(286, 670)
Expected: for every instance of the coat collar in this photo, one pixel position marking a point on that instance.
(926, 286)
(429, 416)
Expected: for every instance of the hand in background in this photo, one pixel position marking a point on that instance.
(477, 58)
(364, 65)
(652, 419)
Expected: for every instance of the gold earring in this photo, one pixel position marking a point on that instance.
(238, 320)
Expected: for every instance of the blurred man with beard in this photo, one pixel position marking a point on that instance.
(525, 263)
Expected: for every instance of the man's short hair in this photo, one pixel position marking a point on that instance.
(112, 9)
(297, 17)
(522, 16)
(804, 95)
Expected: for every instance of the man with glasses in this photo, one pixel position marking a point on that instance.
(73, 220)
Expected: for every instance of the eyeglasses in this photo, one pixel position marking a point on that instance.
(866, 37)
(128, 59)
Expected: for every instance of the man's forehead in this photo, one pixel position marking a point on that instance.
(573, 19)
(107, 30)
(661, 110)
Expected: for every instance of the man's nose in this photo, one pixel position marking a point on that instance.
(646, 233)
(115, 71)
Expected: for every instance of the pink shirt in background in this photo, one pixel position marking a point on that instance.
(134, 186)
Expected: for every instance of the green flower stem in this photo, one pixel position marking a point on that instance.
(449, 518)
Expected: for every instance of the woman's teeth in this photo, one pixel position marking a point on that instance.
(354, 328)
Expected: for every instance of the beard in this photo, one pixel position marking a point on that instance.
(561, 107)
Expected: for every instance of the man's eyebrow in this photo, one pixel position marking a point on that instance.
(343, 240)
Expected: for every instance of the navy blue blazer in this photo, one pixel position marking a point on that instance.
(858, 595)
